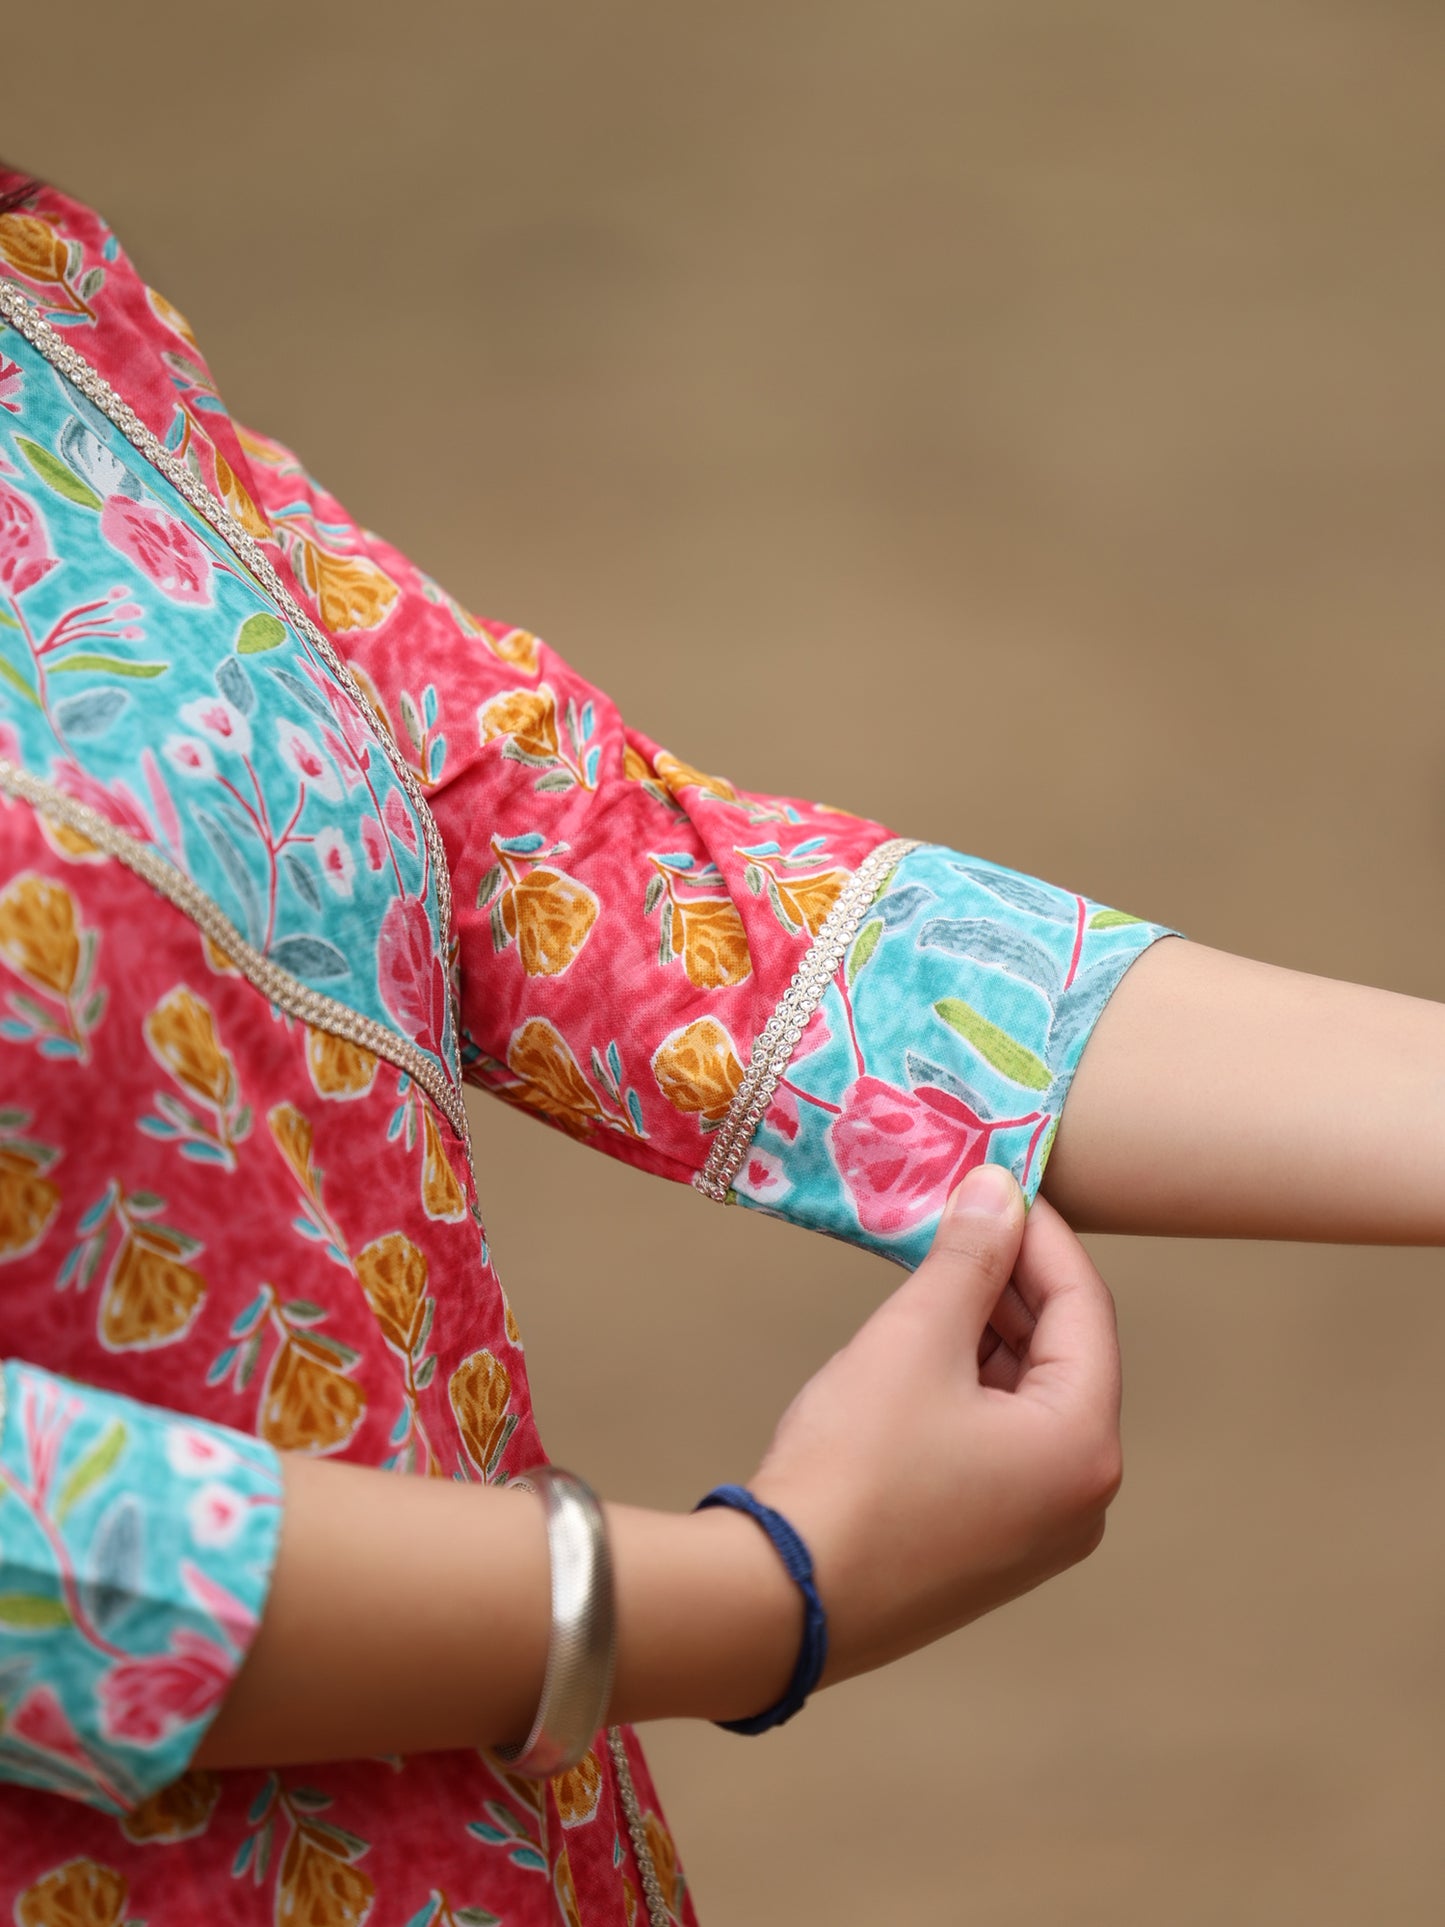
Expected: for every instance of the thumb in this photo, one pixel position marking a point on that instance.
(974, 1251)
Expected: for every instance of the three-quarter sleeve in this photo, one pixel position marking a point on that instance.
(776, 1000)
(136, 1548)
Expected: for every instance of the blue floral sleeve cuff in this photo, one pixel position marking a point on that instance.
(136, 1548)
(947, 1037)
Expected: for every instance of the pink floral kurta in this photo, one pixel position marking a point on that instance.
(291, 845)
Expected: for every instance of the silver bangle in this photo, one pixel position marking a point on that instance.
(578, 1681)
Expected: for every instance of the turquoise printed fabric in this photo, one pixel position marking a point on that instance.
(137, 1550)
(145, 672)
(949, 1037)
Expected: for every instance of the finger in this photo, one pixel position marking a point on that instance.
(1073, 1353)
(1012, 1319)
(965, 1273)
(1002, 1369)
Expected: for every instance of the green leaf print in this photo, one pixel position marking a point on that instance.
(9, 673)
(1111, 919)
(58, 475)
(32, 1611)
(864, 944)
(91, 1469)
(1008, 1056)
(111, 665)
(260, 632)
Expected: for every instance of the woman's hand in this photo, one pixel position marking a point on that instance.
(960, 1449)
(964, 1446)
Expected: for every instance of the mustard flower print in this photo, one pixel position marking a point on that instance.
(180, 1811)
(527, 724)
(29, 1199)
(152, 1291)
(442, 1195)
(339, 1068)
(577, 1792)
(392, 1273)
(308, 1400)
(34, 251)
(480, 1393)
(44, 943)
(698, 1071)
(181, 1035)
(546, 913)
(317, 1877)
(700, 922)
(799, 892)
(82, 1893)
(542, 1075)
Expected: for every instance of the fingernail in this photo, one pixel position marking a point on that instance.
(988, 1192)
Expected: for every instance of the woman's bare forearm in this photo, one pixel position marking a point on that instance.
(1220, 1097)
(932, 1477)
(412, 1615)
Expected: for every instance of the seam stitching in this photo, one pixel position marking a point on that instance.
(780, 1036)
(278, 986)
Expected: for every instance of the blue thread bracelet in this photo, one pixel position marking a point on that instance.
(813, 1653)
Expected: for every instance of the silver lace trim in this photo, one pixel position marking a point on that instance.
(781, 1034)
(659, 1914)
(278, 986)
(70, 363)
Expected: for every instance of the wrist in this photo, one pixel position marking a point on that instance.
(708, 1621)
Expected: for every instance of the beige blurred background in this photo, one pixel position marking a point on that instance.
(1021, 420)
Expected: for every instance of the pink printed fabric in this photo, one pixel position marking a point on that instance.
(279, 1233)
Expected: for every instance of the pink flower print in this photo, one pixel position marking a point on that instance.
(221, 721)
(815, 1035)
(311, 763)
(144, 1700)
(336, 749)
(783, 1113)
(189, 755)
(373, 842)
(9, 743)
(349, 718)
(762, 1177)
(398, 820)
(10, 380)
(40, 1721)
(197, 1455)
(160, 545)
(118, 802)
(900, 1153)
(24, 546)
(338, 866)
(409, 972)
(215, 1514)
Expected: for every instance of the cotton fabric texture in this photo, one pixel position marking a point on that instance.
(293, 845)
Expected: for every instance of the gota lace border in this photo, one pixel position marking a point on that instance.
(780, 1036)
(72, 365)
(659, 1913)
(278, 986)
